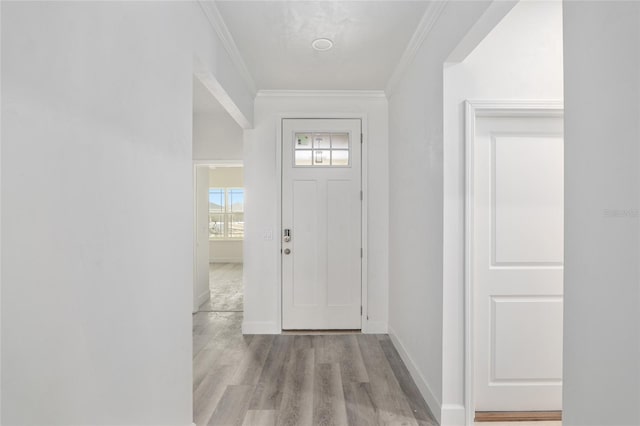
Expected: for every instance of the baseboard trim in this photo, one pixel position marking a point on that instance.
(418, 378)
(260, 327)
(201, 299)
(375, 327)
(517, 416)
(453, 415)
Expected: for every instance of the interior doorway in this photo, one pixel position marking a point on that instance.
(218, 177)
(225, 233)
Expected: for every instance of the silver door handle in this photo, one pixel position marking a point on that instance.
(287, 236)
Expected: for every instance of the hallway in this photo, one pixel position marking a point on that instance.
(335, 379)
(225, 285)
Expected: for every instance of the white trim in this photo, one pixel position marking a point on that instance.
(453, 415)
(226, 260)
(473, 109)
(428, 395)
(214, 17)
(320, 93)
(260, 327)
(219, 163)
(496, 11)
(214, 87)
(201, 299)
(428, 21)
(375, 327)
(363, 184)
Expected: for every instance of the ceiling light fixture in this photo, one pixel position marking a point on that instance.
(322, 44)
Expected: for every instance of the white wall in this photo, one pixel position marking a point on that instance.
(520, 59)
(226, 251)
(201, 291)
(602, 240)
(416, 183)
(261, 245)
(216, 136)
(104, 110)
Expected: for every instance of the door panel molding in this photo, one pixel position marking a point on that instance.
(473, 110)
(367, 326)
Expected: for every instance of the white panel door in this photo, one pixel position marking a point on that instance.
(321, 221)
(517, 254)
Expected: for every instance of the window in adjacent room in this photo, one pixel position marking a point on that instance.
(226, 213)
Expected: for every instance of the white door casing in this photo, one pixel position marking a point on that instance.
(201, 240)
(322, 209)
(515, 257)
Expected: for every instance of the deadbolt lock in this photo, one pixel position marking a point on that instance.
(287, 251)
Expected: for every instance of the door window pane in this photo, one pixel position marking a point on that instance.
(340, 157)
(303, 140)
(321, 149)
(303, 158)
(321, 141)
(322, 157)
(340, 141)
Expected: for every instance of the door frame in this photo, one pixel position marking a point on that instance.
(364, 210)
(473, 110)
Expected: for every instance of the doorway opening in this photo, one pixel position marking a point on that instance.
(218, 203)
(225, 224)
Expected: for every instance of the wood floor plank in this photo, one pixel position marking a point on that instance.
(199, 342)
(328, 397)
(268, 393)
(209, 392)
(344, 350)
(225, 286)
(302, 342)
(296, 408)
(232, 407)
(226, 345)
(260, 418)
(389, 401)
(250, 368)
(359, 404)
(420, 408)
(203, 362)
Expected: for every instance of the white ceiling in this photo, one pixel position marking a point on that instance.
(274, 39)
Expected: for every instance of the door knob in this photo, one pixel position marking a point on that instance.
(287, 251)
(287, 236)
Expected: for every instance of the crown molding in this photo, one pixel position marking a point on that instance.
(321, 93)
(214, 17)
(428, 21)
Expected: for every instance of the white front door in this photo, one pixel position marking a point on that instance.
(321, 224)
(517, 254)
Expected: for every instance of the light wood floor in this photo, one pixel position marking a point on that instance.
(225, 285)
(298, 380)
